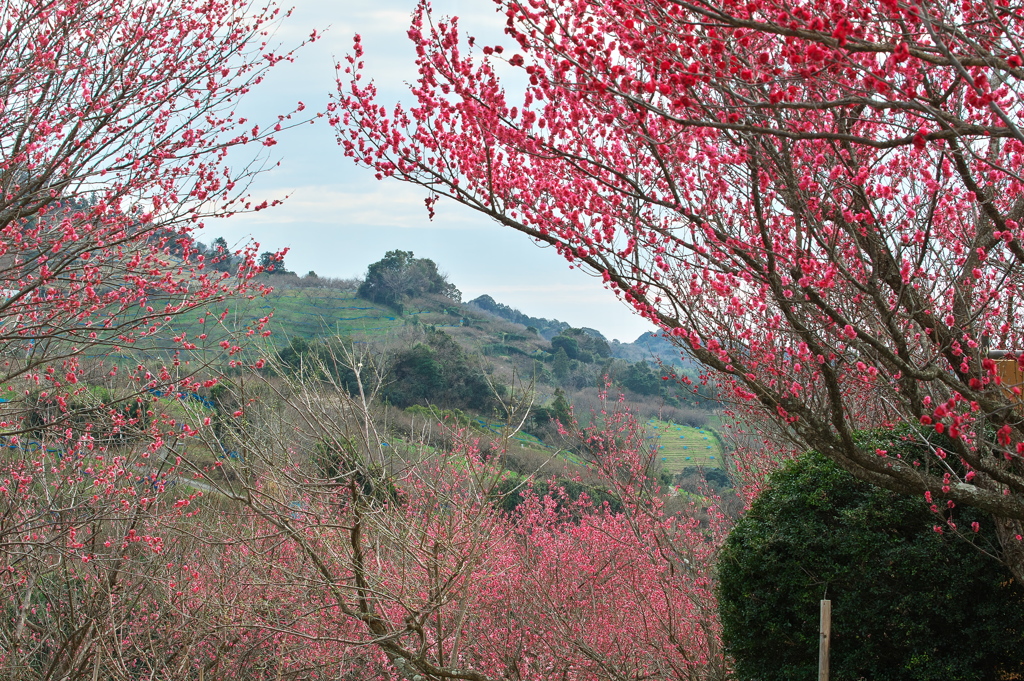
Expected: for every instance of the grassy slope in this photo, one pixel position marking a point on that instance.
(679, 447)
(315, 312)
(307, 313)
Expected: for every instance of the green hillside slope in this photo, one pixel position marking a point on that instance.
(679, 447)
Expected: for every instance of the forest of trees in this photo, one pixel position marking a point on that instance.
(545, 327)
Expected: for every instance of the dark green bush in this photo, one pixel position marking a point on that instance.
(570, 345)
(641, 379)
(320, 359)
(908, 602)
(438, 372)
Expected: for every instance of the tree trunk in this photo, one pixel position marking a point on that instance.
(1010, 532)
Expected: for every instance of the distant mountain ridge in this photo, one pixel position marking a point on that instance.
(547, 328)
(647, 346)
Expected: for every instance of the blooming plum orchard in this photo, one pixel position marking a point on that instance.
(399, 562)
(819, 201)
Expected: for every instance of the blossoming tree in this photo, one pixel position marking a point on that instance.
(820, 201)
(373, 561)
(116, 120)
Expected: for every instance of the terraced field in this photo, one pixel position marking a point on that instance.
(678, 447)
(310, 313)
(306, 313)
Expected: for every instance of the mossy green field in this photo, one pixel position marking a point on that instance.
(677, 447)
(315, 312)
(306, 313)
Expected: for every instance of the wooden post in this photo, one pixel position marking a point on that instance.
(826, 634)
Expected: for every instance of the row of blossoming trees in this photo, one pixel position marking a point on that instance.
(370, 560)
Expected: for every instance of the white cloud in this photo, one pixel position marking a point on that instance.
(391, 204)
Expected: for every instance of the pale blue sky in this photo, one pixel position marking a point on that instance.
(339, 219)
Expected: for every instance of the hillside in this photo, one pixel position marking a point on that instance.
(433, 351)
(506, 355)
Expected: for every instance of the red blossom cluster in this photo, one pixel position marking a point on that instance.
(819, 201)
